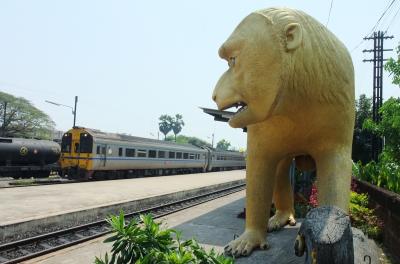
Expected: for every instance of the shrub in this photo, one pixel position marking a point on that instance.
(385, 173)
(148, 243)
(362, 217)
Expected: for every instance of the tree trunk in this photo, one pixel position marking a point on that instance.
(326, 237)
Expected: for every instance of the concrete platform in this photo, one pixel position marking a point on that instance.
(45, 208)
(213, 224)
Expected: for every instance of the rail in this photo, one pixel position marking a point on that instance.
(29, 248)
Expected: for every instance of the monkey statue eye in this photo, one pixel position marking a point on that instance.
(231, 61)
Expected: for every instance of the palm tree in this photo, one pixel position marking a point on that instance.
(177, 124)
(165, 124)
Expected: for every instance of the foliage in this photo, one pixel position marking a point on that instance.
(362, 217)
(314, 196)
(165, 124)
(393, 67)
(389, 127)
(149, 243)
(385, 173)
(23, 119)
(177, 124)
(362, 138)
(168, 123)
(223, 144)
(182, 139)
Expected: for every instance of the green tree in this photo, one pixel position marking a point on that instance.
(223, 144)
(182, 139)
(177, 124)
(19, 118)
(165, 124)
(393, 67)
(388, 128)
(362, 138)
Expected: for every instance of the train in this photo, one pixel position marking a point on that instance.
(25, 158)
(92, 154)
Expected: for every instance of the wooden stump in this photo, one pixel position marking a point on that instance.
(326, 237)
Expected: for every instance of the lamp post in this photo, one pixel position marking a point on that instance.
(72, 108)
(212, 140)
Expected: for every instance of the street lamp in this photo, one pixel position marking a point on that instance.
(73, 109)
(212, 142)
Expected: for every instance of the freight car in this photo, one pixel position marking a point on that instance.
(92, 154)
(25, 158)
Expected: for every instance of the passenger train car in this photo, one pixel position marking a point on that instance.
(92, 154)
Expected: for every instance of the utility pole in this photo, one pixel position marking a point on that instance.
(377, 97)
(74, 112)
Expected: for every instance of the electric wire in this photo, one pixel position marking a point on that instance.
(393, 19)
(329, 14)
(376, 24)
(383, 14)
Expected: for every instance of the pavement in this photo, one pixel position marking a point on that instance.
(214, 224)
(46, 208)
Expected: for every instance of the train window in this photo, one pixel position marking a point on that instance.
(161, 154)
(98, 150)
(152, 153)
(86, 143)
(66, 142)
(191, 156)
(130, 152)
(119, 152)
(185, 155)
(171, 155)
(178, 155)
(142, 153)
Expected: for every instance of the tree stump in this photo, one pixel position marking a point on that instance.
(326, 237)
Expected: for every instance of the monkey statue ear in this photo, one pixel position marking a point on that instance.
(293, 36)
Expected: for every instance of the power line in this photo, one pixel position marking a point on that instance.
(375, 26)
(383, 14)
(329, 14)
(394, 17)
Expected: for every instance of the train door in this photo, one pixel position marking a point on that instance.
(103, 154)
(209, 160)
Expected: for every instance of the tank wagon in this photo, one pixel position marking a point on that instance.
(25, 158)
(92, 154)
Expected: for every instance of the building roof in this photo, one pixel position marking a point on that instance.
(218, 115)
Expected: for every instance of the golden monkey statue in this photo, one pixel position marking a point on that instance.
(294, 83)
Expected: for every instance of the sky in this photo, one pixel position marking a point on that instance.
(131, 61)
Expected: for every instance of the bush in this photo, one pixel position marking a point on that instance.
(385, 173)
(360, 215)
(364, 218)
(148, 243)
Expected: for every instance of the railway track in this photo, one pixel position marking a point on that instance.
(29, 248)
